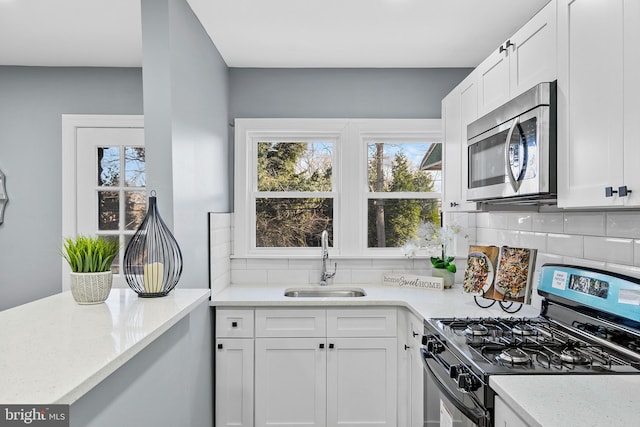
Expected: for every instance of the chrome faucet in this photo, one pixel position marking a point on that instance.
(325, 275)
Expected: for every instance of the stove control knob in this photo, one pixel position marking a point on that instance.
(467, 382)
(434, 346)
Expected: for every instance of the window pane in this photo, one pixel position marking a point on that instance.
(135, 209)
(291, 223)
(108, 166)
(391, 222)
(294, 166)
(134, 167)
(108, 210)
(404, 166)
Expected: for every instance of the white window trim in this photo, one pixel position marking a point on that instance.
(350, 203)
(70, 125)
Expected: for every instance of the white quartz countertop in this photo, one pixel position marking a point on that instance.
(425, 303)
(571, 400)
(54, 350)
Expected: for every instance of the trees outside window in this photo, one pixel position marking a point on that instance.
(368, 182)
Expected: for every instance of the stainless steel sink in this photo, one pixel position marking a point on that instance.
(324, 293)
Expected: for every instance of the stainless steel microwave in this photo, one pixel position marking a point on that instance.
(512, 150)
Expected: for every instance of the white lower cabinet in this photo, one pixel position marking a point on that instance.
(505, 416)
(234, 368)
(307, 367)
(410, 370)
(290, 382)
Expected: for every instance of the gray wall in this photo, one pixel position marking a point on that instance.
(32, 100)
(343, 93)
(168, 383)
(186, 95)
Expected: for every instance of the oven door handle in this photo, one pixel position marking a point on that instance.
(480, 417)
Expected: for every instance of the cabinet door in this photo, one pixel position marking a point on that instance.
(590, 101)
(631, 101)
(532, 55)
(234, 382)
(493, 81)
(505, 416)
(361, 382)
(290, 382)
(415, 372)
(459, 109)
(452, 151)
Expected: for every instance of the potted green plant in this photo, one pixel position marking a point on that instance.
(90, 260)
(436, 241)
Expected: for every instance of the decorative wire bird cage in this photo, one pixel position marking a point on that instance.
(152, 261)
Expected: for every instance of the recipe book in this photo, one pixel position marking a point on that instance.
(502, 274)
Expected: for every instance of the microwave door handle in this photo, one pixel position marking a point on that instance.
(515, 182)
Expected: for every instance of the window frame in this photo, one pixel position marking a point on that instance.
(350, 189)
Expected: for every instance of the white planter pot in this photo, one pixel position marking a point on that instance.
(91, 288)
(447, 276)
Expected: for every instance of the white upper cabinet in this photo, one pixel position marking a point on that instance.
(524, 60)
(459, 109)
(598, 91)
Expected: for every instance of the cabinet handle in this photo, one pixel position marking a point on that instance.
(330, 345)
(321, 345)
(609, 192)
(414, 334)
(407, 347)
(234, 324)
(623, 191)
(453, 204)
(506, 46)
(219, 346)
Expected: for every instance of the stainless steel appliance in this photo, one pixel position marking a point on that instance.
(589, 325)
(512, 150)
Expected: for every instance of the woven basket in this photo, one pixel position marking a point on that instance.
(91, 288)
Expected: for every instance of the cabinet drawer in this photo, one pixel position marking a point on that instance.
(362, 322)
(234, 323)
(290, 323)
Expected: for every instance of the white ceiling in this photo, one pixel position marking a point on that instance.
(270, 33)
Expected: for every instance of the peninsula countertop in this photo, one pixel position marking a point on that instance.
(54, 350)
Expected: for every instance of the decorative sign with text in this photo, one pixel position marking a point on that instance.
(402, 280)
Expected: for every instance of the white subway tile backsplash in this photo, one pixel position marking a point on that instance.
(624, 269)
(623, 224)
(548, 222)
(248, 277)
(499, 220)
(508, 238)
(581, 262)
(287, 277)
(585, 223)
(529, 239)
(483, 220)
(486, 236)
(609, 249)
(367, 276)
(305, 263)
(267, 263)
(565, 244)
(521, 221)
(543, 258)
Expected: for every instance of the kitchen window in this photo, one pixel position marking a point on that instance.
(369, 182)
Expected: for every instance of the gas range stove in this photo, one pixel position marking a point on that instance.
(521, 346)
(589, 325)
